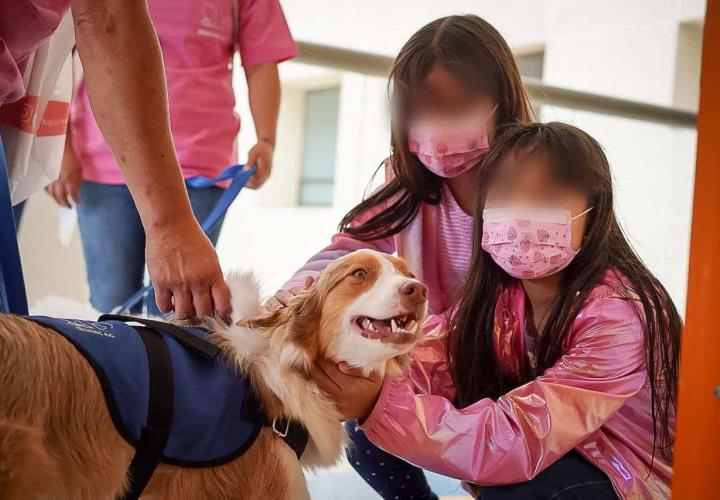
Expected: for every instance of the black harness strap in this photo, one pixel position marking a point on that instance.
(154, 436)
(199, 345)
(293, 433)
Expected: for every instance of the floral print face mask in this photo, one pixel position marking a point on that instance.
(449, 148)
(529, 242)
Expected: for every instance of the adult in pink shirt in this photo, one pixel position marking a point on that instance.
(126, 86)
(198, 42)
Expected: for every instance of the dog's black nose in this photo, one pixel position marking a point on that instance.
(414, 291)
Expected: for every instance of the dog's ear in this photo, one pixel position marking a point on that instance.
(300, 319)
(305, 315)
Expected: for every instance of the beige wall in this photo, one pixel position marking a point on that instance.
(50, 268)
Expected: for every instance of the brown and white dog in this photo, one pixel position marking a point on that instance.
(57, 439)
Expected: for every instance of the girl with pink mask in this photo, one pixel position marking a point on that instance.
(556, 375)
(452, 85)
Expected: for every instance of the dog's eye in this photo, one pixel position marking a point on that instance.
(360, 274)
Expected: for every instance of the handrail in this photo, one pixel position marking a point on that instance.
(379, 65)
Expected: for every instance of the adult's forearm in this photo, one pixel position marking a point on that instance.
(125, 81)
(264, 96)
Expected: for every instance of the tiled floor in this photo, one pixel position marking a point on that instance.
(342, 483)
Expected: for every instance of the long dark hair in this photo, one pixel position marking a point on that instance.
(469, 48)
(577, 159)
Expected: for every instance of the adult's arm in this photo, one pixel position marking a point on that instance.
(264, 95)
(125, 81)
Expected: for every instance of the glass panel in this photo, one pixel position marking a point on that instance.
(531, 64)
(321, 123)
(316, 193)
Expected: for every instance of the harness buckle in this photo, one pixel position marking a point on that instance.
(287, 428)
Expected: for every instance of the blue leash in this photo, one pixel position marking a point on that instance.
(12, 286)
(239, 177)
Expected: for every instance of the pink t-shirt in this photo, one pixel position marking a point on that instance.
(24, 25)
(197, 46)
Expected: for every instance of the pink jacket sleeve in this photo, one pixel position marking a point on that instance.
(429, 372)
(514, 438)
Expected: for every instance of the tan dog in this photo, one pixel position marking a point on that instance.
(57, 439)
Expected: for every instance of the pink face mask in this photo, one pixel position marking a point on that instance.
(452, 147)
(529, 242)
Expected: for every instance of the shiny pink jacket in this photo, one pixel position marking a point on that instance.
(595, 399)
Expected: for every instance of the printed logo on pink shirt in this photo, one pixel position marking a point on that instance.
(212, 24)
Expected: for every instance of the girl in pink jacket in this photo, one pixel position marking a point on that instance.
(558, 374)
(453, 83)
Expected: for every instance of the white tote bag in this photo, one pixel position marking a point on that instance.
(33, 129)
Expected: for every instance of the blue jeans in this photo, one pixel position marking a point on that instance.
(570, 477)
(114, 241)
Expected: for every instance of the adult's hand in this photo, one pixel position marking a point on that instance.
(185, 272)
(354, 394)
(261, 156)
(68, 184)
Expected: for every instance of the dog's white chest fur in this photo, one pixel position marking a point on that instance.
(281, 365)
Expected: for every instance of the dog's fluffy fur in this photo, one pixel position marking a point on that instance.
(57, 439)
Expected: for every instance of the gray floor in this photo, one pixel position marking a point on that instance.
(344, 484)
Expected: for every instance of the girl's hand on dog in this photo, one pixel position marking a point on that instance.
(354, 394)
(283, 297)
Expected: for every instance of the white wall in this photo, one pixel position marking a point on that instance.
(630, 50)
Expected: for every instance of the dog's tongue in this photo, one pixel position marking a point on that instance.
(381, 326)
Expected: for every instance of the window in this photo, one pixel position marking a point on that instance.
(686, 92)
(531, 65)
(317, 174)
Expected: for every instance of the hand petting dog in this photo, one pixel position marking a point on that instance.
(354, 394)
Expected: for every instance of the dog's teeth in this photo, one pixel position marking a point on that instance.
(366, 323)
(393, 325)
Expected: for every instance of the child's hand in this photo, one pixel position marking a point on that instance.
(283, 297)
(354, 394)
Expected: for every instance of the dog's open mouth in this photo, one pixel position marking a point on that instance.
(399, 326)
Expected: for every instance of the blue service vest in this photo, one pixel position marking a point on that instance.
(215, 417)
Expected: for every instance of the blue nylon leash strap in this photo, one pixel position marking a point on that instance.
(239, 176)
(12, 285)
